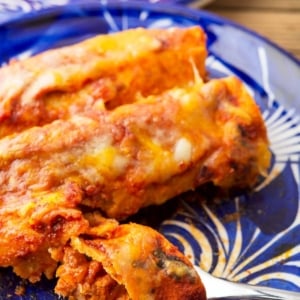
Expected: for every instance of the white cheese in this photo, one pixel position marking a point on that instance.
(183, 150)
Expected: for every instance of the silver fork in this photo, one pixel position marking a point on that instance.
(221, 289)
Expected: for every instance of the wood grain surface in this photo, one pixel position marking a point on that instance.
(277, 20)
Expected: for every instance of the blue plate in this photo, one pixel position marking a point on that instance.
(16, 7)
(251, 238)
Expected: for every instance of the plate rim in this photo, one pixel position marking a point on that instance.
(163, 8)
(172, 8)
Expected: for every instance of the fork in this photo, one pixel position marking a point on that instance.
(222, 289)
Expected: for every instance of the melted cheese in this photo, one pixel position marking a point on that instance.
(183, 151)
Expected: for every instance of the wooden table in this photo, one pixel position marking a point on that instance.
(277, 20)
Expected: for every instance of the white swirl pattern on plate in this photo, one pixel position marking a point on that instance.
(27, 6)
(252, 238)
(222, 250)
(21, 6)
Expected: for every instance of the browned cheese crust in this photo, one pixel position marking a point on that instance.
(66, 179)
(112, 69)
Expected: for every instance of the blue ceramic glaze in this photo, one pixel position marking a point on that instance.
(253, 238)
